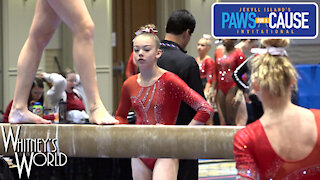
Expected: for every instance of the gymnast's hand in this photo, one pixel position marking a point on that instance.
(246, 97)
(237, 98)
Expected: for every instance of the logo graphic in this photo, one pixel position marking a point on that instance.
(46, 149)
(262, 20)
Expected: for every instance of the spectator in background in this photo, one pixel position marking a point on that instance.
(64, 88)
(179, 29)
(35, 95)
(285, 142)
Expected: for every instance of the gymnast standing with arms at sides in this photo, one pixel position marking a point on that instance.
(206, 64)
(228, 58)
(285, 142)
(47, 17)
(206, 68)
(155, 95)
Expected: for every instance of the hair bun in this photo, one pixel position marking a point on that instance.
(149, 28)
(275, 42)
(206, 36)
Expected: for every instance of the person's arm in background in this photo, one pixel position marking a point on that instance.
(209, 70)
(214, 79)
(237, 77)
(131, 68)
(239, 72)
(194, 100)
(209, 90)
(192, 77)
(194, 82)
(55, 93)
(189, 72)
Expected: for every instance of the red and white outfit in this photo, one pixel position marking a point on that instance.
(74, 100)
(255, 156)
(160, 102)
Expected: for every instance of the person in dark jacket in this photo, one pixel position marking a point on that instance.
(179, 29)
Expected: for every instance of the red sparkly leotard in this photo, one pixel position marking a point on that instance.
(255, 156)
(160, 102)
(206, 69)
(225, 66)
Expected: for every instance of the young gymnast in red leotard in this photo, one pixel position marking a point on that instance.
(206, 67)
(155, 95)
(206, 63)
(228, 58)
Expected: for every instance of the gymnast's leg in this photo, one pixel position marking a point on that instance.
(43, 26)
(75, 14)
(221, 106)
(166, 168)
(231, 108)
(139, 170)
(242, 113)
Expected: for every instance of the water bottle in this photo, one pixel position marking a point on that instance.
(37, 109)
(62, 111)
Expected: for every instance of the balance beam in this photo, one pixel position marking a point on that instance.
(184, 142)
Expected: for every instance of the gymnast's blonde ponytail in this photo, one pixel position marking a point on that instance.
(274, 73)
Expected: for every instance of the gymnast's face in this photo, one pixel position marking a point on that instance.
(202, 47)
(145, 51)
